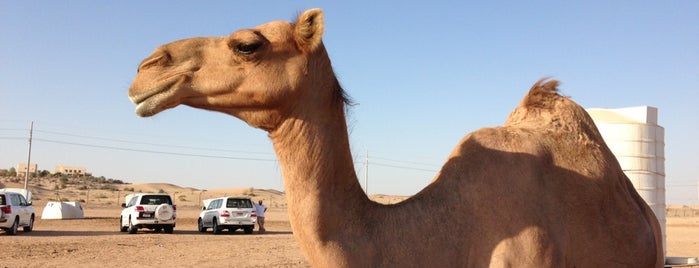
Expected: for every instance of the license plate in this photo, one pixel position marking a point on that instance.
(145, 215)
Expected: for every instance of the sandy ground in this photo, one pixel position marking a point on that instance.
(96, 242)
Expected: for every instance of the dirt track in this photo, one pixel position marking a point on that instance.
(97, 242)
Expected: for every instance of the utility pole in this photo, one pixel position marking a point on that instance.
(29, 157)
(366, 173)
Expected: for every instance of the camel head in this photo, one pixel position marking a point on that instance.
(258, 75)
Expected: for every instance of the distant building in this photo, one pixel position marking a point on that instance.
(80, 171)
(22, 169)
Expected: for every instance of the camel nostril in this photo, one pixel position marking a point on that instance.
(160, 58)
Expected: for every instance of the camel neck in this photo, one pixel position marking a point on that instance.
(322, 189)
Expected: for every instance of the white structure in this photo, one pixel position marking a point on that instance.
(638, 142)
(62, 210)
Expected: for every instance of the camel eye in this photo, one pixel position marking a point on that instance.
(247, 49)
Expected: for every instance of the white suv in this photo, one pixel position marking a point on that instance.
(16, 210)
(154, 211)
(230, 213)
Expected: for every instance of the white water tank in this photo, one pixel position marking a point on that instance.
(638, 142)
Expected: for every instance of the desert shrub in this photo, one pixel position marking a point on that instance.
(107, 187)
(113, 181)
(12, 172)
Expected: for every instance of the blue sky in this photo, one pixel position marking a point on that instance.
(423, 76)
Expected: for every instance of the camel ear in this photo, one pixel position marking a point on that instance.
(308, 30)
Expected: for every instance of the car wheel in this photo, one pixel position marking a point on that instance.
(214, 227)
(132, 229)
(248, 230)
(169, 229)
(30, 227)
(122, 228)
(13, 229)
(200, 226)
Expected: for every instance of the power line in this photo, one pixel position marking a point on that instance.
(403, 167)
(66, 134)
(154, 152)
(200, 155)
(150, 144)
(12, 138)
(403, 161)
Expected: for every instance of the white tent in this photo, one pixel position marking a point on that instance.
(62, 210)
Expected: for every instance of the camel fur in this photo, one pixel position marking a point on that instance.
(543, 190)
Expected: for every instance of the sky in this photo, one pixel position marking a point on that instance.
(422, 77)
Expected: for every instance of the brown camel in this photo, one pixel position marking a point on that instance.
(541, 191)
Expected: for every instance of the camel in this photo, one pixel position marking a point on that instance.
(543, 190)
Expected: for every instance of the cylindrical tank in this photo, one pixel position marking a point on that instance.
(638, 142)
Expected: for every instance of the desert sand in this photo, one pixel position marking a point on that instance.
(95, 241)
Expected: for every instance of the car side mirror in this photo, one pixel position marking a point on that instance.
(123, 205)
(203, 208)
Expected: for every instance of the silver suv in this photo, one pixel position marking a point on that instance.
(230, 213)
(153, 211)
(16, 210)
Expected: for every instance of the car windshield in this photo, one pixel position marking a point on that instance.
(155, 200)
(238, 203)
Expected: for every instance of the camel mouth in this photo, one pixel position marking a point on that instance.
(150, 106)
(154, 101)
(157, 99)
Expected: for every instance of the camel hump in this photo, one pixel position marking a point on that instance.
(543, 105)
(543, 94)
